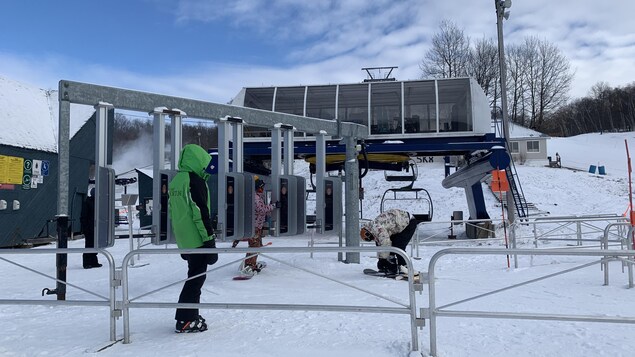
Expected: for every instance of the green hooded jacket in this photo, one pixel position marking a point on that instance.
(189, 201)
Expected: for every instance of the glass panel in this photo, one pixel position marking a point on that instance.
(320, 102)
(455, 110)
(259, 98)
(420, 109)
(385, 107)
(290, 100)
(353, 103)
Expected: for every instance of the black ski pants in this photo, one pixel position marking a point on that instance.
(191, 292)
(401, 239)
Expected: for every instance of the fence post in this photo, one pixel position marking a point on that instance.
(61, 259)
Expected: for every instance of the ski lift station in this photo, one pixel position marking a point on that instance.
(350, 128)
(379, 124)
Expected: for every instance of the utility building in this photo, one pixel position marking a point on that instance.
(29, 165)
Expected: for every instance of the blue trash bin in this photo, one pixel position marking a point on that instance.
(592, 169)
(601, 170)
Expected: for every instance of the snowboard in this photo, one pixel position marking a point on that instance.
(373, 272)
(247, 277)
(242, 277)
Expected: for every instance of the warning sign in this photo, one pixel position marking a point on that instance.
(11, 169)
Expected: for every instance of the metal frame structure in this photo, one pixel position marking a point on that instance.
(109, 97)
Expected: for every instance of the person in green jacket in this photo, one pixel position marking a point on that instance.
(189, 211)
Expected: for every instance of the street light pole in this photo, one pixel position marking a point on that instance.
(501, 5)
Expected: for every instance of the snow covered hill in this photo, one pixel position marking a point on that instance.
(76, 331)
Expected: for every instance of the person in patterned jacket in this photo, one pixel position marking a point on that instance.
(261, 210)
(394, 228)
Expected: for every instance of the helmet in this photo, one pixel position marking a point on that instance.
(259, 184)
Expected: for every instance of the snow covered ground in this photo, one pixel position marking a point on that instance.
(74, 331)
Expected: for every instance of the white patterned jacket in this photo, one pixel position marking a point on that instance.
(386, 224)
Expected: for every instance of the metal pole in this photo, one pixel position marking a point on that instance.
(63, 157)
(352, 199)
(500, 12)
(61, 259)
(158, 164)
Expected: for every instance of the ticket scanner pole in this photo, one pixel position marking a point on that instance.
(104, 181)
(161, 229)
(232, 183)
(286, 188)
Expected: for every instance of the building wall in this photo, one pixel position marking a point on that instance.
(37, 204)
(523, 155)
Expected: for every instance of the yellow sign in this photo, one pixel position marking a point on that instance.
(11, 169)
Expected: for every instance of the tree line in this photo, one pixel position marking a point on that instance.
(128, 130)
(539, 79)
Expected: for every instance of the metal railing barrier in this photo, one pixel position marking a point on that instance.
(107, 301)
(435, 311)
(402, 308)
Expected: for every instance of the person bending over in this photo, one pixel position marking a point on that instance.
(394, 228)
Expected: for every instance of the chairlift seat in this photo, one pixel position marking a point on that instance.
(422, 218)
(400, 178)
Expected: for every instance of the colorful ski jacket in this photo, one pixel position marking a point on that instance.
(261, 210)
(386, 224)
(189, 201)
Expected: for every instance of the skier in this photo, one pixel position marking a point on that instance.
(250, 266)
(189, 208)
(394, 228)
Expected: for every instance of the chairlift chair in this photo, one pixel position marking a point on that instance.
(420, 198)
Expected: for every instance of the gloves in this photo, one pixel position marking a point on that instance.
(277, 204)
(211, 258)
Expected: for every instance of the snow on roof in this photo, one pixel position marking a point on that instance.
(147, 172)
(517, 131)
(29, 116)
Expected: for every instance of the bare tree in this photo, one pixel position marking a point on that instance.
(516, 87)
(550, 78)
(540, 78)
(449, 55)
(483, 66)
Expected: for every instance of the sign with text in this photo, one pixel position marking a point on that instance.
(11, 169)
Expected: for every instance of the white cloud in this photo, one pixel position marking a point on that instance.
(329, 41)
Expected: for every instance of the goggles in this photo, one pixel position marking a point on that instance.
(366, 235)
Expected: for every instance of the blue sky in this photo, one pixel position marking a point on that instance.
(208, 49)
